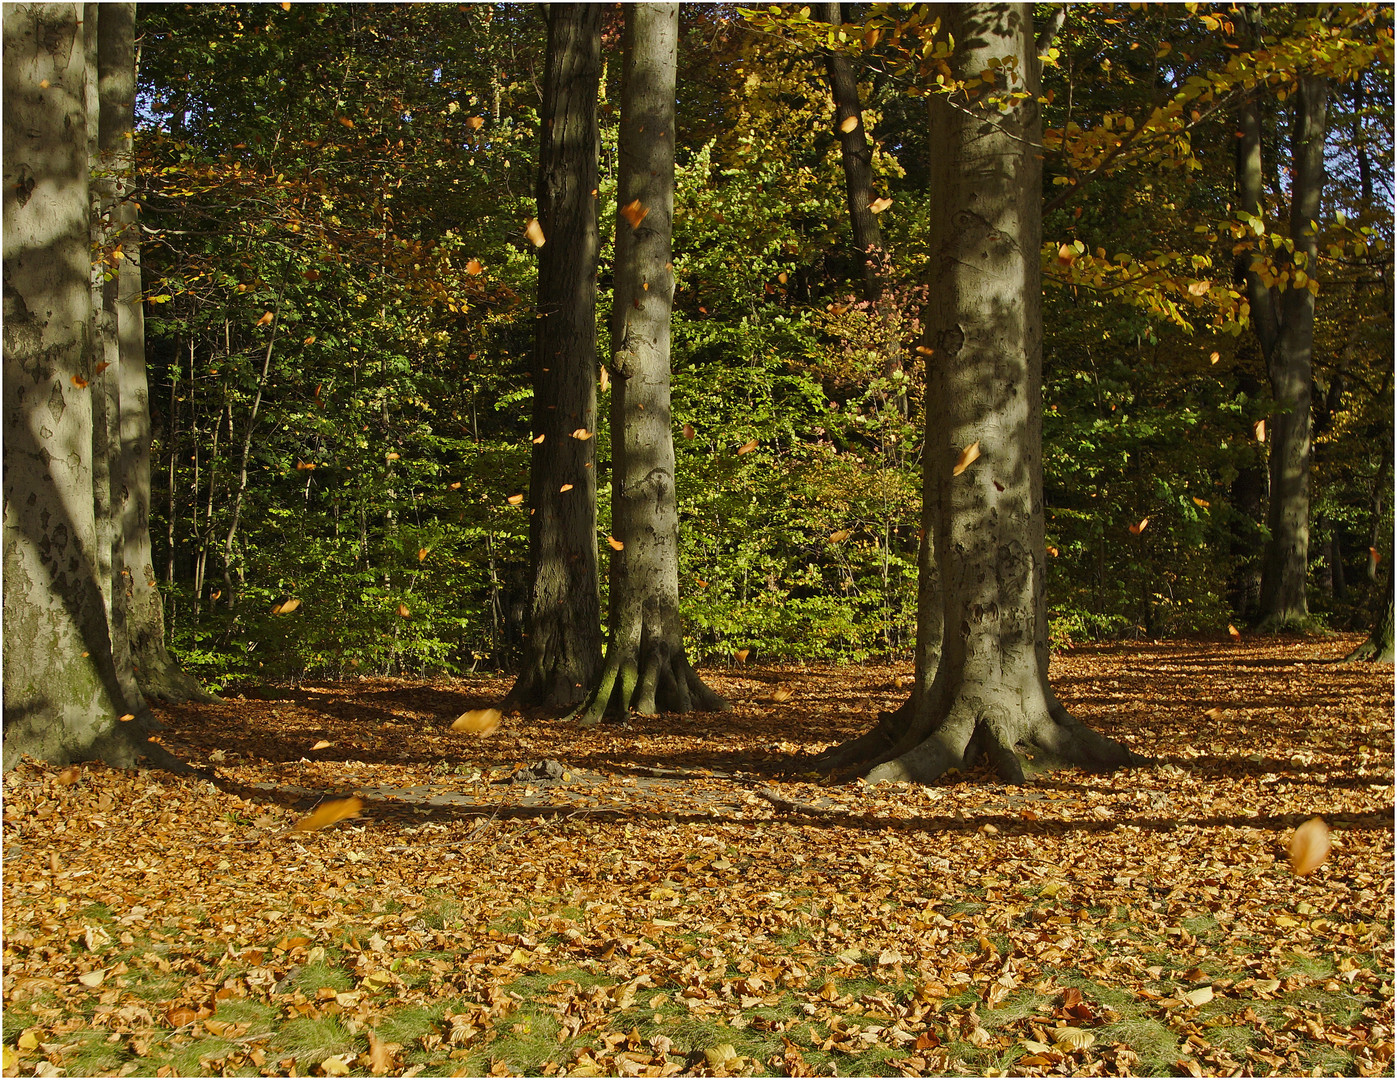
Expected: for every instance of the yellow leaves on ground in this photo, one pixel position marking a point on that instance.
(478, 722)
(880, 204)
(1309, 847)
(966, 458)
(286, 607)
(634, 213)
(850, 122)
(1136, 530)
(748, 447)
(534, 231)
(328, 813)
(616, 544)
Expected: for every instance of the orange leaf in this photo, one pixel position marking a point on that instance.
(538, 438)
(215, 594)
(455, 485)
(604, 379)
(1204, 503)
(392, 455)
(346, 121)
(403, 610)
(475, 123)
(329, 813)
(534, 231)
(422, 554)
(286, 607)
(481, 722)
(322, 744)
(924, 350)
(838, 536)
(309, 341)
(1052, 551)
(267, 317)
(304, 466)
(879, 205)
(126, 717)
(1136, 530)
(1375, 555)
(850, 122)
(1258, 430)
(967, 456)
(1309, 846)
(582, 434)
(617, 544)
(101, 367)
(1066, 253)
(688, 431)
(515, 500)
(747, 447)
(701, 583)
(69, 776)
(781, 693)
(741, 655)
(1214, 357)
(565, 487)
(79, 382)
(634, 213)
(782, 277)
(1233, 632)
(474, 269)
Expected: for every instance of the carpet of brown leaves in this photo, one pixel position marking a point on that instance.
(676, 895)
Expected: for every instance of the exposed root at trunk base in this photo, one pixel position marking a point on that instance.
(660, 679)
(1032, 741)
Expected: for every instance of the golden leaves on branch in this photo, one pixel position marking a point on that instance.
(966, 458)
(534, 231)
(328, 813)
(1309, 846)
(478, 722)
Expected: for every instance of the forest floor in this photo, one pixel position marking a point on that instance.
(685, 899)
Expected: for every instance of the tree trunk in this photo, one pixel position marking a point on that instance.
(1379, 646)
(138, 615)
(1283, 318)
(646, 667)
(563, 650)
(62, 699)
(981, 681)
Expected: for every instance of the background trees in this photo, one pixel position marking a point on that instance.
(365, 175)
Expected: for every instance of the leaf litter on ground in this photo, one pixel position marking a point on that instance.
(682, 895)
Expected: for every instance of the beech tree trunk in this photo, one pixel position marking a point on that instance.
(563, 653)
(646, 667)
(981, 681)
(62, 698)
(138, 615)
(1283, 318)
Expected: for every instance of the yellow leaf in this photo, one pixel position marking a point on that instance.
(1200, 996)
(1204, 503)
(582, 434)
(515, 500)
(381, 1054)
(11, 1060)
(1233, 632)
(838, 536)
(747, 447)
(473, 268)
(967, 456)
(481, 722)
(782, 694)
(422, 554)
(1258, 430)
(565, 487)
(1214, 357)
(534, 231)
(267, 317)
(475, 123)
(634, 213)
(328, 813)
(604, 379)
(29, 1041)
(93, 979)
(1052, 551)
(286, 607)
(1136, 530)
(741, 655)
(79, 382)
(1309, 846)
(782, 277)
(322, 744)
(455, 485)
(617, 544)
(286, 5)
(850, 122)
(403, 610)
(879, 205)
(126, 717)
(539, 438)
(336, 1065)
(1199, 288)
(392, 455)
(1069, 1039)
(346, 121)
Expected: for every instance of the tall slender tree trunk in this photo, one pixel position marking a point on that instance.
(563, 651)
(1283, 318)
(646, 667)
(62, 698)
(981, 680)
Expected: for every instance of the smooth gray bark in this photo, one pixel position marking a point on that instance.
(981, 684)
(62, 698)
(563, 650)
(646, 668)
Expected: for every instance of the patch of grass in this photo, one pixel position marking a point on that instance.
(1200, 925)
(525, 1042)
(441, 913)
(1314, 967)
(1157, 1046)
(312, 977)
(260, 1017)
(313, 1040)
(91, 1054)
(1234, 1040)
(408, 1025)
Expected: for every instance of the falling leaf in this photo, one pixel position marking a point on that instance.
(392, 455)
(850, 122)
(305, 466)
(515, 500)
(481, 722)
(1136, 530)
(455, 485)
(781, 693)
(839, 536)
(215, 594)
(1214, 357)
(604, 379)
(879, 205)
(267, 317)
(328, 813)
(1258, 430)
(322, 745)
(381, 1055)
(286, 607)
(1204, 503)
(1233, 632)
(701, 583)
(1199, 288)
(688, 431)
(1374, 556)
(741, 655)
(79, 382)
(309, 341)
(473, 268)
(1309, 847)
(534, 231)
(539, 438)
(565, 487)
(286, 5)
(967, 456)
(475, 123)
(1066, 253)
(582, 434)
(403, 611)
(422, 554)
(1052, 551)
(126, 718)
(782, 277)
(346, 121)
(634, 213)
(748, 447)
(101, 367)
(617, 544)
(924, 351)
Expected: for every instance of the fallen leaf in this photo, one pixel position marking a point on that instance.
(69, 776)
(481, 722)
(1201, 996)
(328, 813)
(1309, 847)
(534, 231)
(967, 456)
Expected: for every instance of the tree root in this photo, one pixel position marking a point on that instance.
(662, 681)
